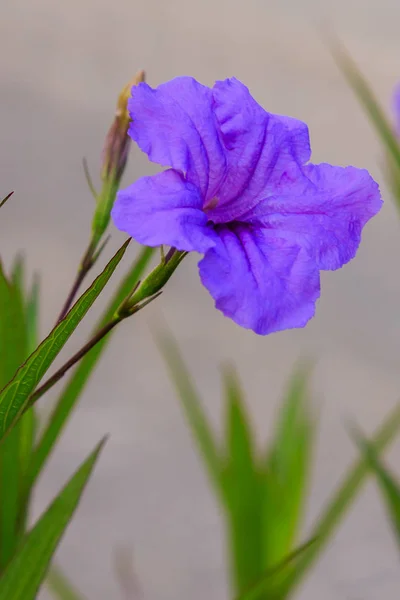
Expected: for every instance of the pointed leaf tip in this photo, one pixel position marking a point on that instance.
(389, 486)
(25, 573)
(2, 203)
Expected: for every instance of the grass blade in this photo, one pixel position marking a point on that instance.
(13, 344)
(32, 316)
(287, 471)
(27, 426)
(243, 490)
(389, 487)
(192, 408)
(367, 98)
(30, 306)
(263, 583)
(341, 502)
(76, 383)
(13, 351)
(27, 570)
(14, 398)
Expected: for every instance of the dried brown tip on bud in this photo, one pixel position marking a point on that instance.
(116, 146)
(122, 110)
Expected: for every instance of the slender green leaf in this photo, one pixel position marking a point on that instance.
(341, 502)
(13, 346)
(27, 425)
(60, 586)
(28, 422)
(32, 316)
(14, 398)
(240, 451)
(13, 351)
(75, 385)
(242, 489)
(11, 484)
(192, 408)
(389, 487)
(27, 569)
(18, 274)
(370, 104)
(30, 306)
(258, 589)
(287, 471)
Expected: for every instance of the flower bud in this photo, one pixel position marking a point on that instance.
(115, 155)
(152, 286)
(116, 147)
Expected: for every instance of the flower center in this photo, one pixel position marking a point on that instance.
(211, 204)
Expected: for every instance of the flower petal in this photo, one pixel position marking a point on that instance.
(260, 280)
(260, 149)
(324, 211)
(175, 126)
(164, 209)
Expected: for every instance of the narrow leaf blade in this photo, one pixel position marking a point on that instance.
(242, 489)
(265, 582)
(27, 570)
(13, 351)
(14, 398)
(341, 502)
(192, 408)
(71, 392)
(364, 93)
(287, 471)
(32, 316)
(389, 487)
(373, 109)
(13, 345)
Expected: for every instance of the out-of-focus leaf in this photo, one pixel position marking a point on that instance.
(13, 351)
(242, 488)
(287, 471)
(32, 316)
(369, 102)
(27, 425)
(75, 385)
(191, 404)
(340, 503)
(14, 398)
(27, 569)
(30, 304)
(2, 202)
(60, 586)
(389, 487)
(265, 582)
(13, 345)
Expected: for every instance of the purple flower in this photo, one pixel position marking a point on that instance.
(240, 191)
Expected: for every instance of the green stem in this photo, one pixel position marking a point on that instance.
(84, 268)
(74, 387)
(74, 359)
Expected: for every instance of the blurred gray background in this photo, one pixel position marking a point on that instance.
(62, 65)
